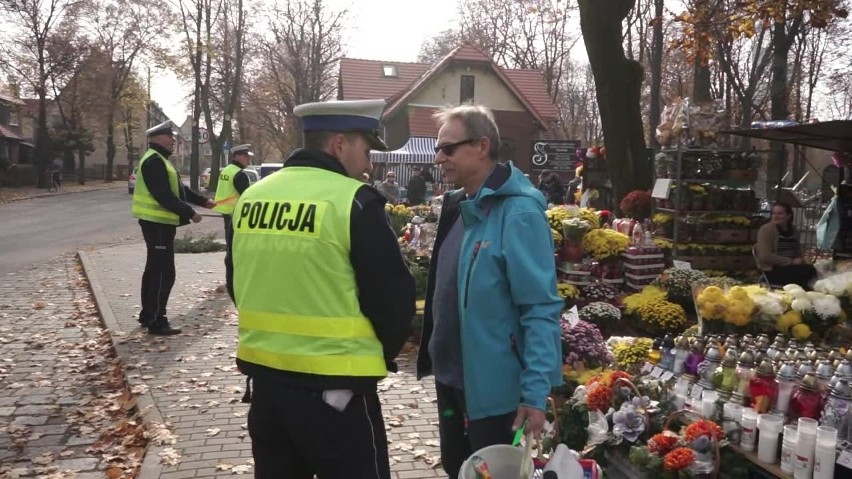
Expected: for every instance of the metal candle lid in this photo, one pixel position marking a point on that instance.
(849, 355)
(698, 346)
(841, 390)
(809, 382)
(803, 369)
(766, 368)
(682, 342)
(731, 341)
(746, 359)
(787, 372)
(844, 370)
(730, 359)
(781, 357)
(792, 354)
(713, 355)
(668, 342)
(824, 370)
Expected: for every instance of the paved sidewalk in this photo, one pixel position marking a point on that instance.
(62, 392)
(193, 383)
(8, 195)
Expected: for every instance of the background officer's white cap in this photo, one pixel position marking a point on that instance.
(246, 148)
(363, 116)
(167, 127)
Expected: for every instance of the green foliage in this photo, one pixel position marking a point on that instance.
(203, 244)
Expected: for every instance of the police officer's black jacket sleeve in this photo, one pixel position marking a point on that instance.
(386, 288)
(193, 196)
(157, 181)
(241, 182)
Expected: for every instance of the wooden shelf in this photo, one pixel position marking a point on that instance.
(774, 469)
(709, 212)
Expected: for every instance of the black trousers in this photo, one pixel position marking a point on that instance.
(229, 263)
(459, 437)
(295, 434)
(159, 275)
(800, 274)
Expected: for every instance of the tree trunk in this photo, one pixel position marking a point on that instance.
(618, 84)
(42, 148)
(110, 144)
(701, 87)
(779, 99)
(656, 63)
(81, 164)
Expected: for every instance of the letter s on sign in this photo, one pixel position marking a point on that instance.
(540, 156)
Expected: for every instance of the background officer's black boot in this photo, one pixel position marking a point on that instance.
(145, 321)
(161, 327)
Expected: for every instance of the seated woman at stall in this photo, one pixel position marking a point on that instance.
(779, 253)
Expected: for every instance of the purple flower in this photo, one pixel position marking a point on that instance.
(628, 423)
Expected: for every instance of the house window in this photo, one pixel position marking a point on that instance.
(467, 88)
(389, 70)
(13, 118)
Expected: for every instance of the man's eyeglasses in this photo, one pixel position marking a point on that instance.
(448, 150)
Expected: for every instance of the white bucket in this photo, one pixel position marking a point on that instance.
(503, 461)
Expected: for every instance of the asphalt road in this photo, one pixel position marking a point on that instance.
(40, 229)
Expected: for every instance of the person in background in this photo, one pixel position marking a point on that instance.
(389, 188)
(161, 202)
(551, 187)
(492, 271)
(779, 252)
(325, 302)
(232, 182)
(416, 189)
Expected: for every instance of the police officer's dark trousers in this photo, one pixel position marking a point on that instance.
(295, 435)
(159, 275)
(229, 264)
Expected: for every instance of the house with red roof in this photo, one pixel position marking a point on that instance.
(415, 91)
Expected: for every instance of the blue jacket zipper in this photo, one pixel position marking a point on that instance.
(469, 272)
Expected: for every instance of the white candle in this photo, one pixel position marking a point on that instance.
(825, 454)
(767, 446)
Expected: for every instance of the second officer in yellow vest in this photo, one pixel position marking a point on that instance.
(232, 182)
(325, 302)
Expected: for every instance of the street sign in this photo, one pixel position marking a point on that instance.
(203, 136)
(226, 146)
(555, 155)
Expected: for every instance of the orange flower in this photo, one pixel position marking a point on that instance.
(703, 427)
(616, 375)
(679, 459)
(660, 444)
(599, 397)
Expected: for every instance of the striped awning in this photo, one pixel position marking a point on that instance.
(417, 150)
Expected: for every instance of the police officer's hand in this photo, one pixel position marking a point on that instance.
(210, 204)
(196, 218)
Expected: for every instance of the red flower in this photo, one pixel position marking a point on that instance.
(637, 204)
(703, 427)
(679, 459)
(599, 397)
(662, 443)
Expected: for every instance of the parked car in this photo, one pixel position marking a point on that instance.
(131, 181)
(267, 169)
(252, 174)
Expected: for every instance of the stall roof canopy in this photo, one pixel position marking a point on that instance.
(829, 135)
(416, 150)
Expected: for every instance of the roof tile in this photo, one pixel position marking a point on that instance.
(421, 123)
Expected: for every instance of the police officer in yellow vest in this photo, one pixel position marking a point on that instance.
(325, 302)
(160, 203)
(232, 182)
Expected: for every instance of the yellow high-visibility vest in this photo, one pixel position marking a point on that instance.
(226, 194)
(144, 206)
(294, 283)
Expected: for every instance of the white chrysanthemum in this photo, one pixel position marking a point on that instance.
(827, 306)
(770, 305)
(815, 295)
(801, 304)
(798, 294)
(792, 287)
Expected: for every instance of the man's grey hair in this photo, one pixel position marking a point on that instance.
(478, 121)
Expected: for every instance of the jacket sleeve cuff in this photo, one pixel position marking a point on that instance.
(535, 403)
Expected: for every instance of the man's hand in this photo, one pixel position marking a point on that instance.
(196, 218)
(535, 420)
(210, 204)
(799, 261)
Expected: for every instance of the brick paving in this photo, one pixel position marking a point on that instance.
(55, 361)
(193, 383)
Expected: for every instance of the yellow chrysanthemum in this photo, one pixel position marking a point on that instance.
(801, 331)
(788, 320)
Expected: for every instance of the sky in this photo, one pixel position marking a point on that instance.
(378, 30)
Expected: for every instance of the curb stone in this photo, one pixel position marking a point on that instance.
(151, 467)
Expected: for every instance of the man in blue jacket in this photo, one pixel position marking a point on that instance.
(491, 330)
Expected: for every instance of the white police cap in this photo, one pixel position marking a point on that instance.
(167, 127)
(246, 148)
(363, 116)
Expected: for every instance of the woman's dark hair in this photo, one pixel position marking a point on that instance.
(787, 208)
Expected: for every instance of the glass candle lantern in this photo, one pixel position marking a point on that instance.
(803, 366)
(668, 353)
(837, 405)
(694, 359)
(806, 400)
(725, 378)
(777, 346)
(654, 354)
(707, 368)
(844, 369)
(762, 388)
(681, 353)
(834, 357)
(786, 379)
(745, 371)
(824, 371)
